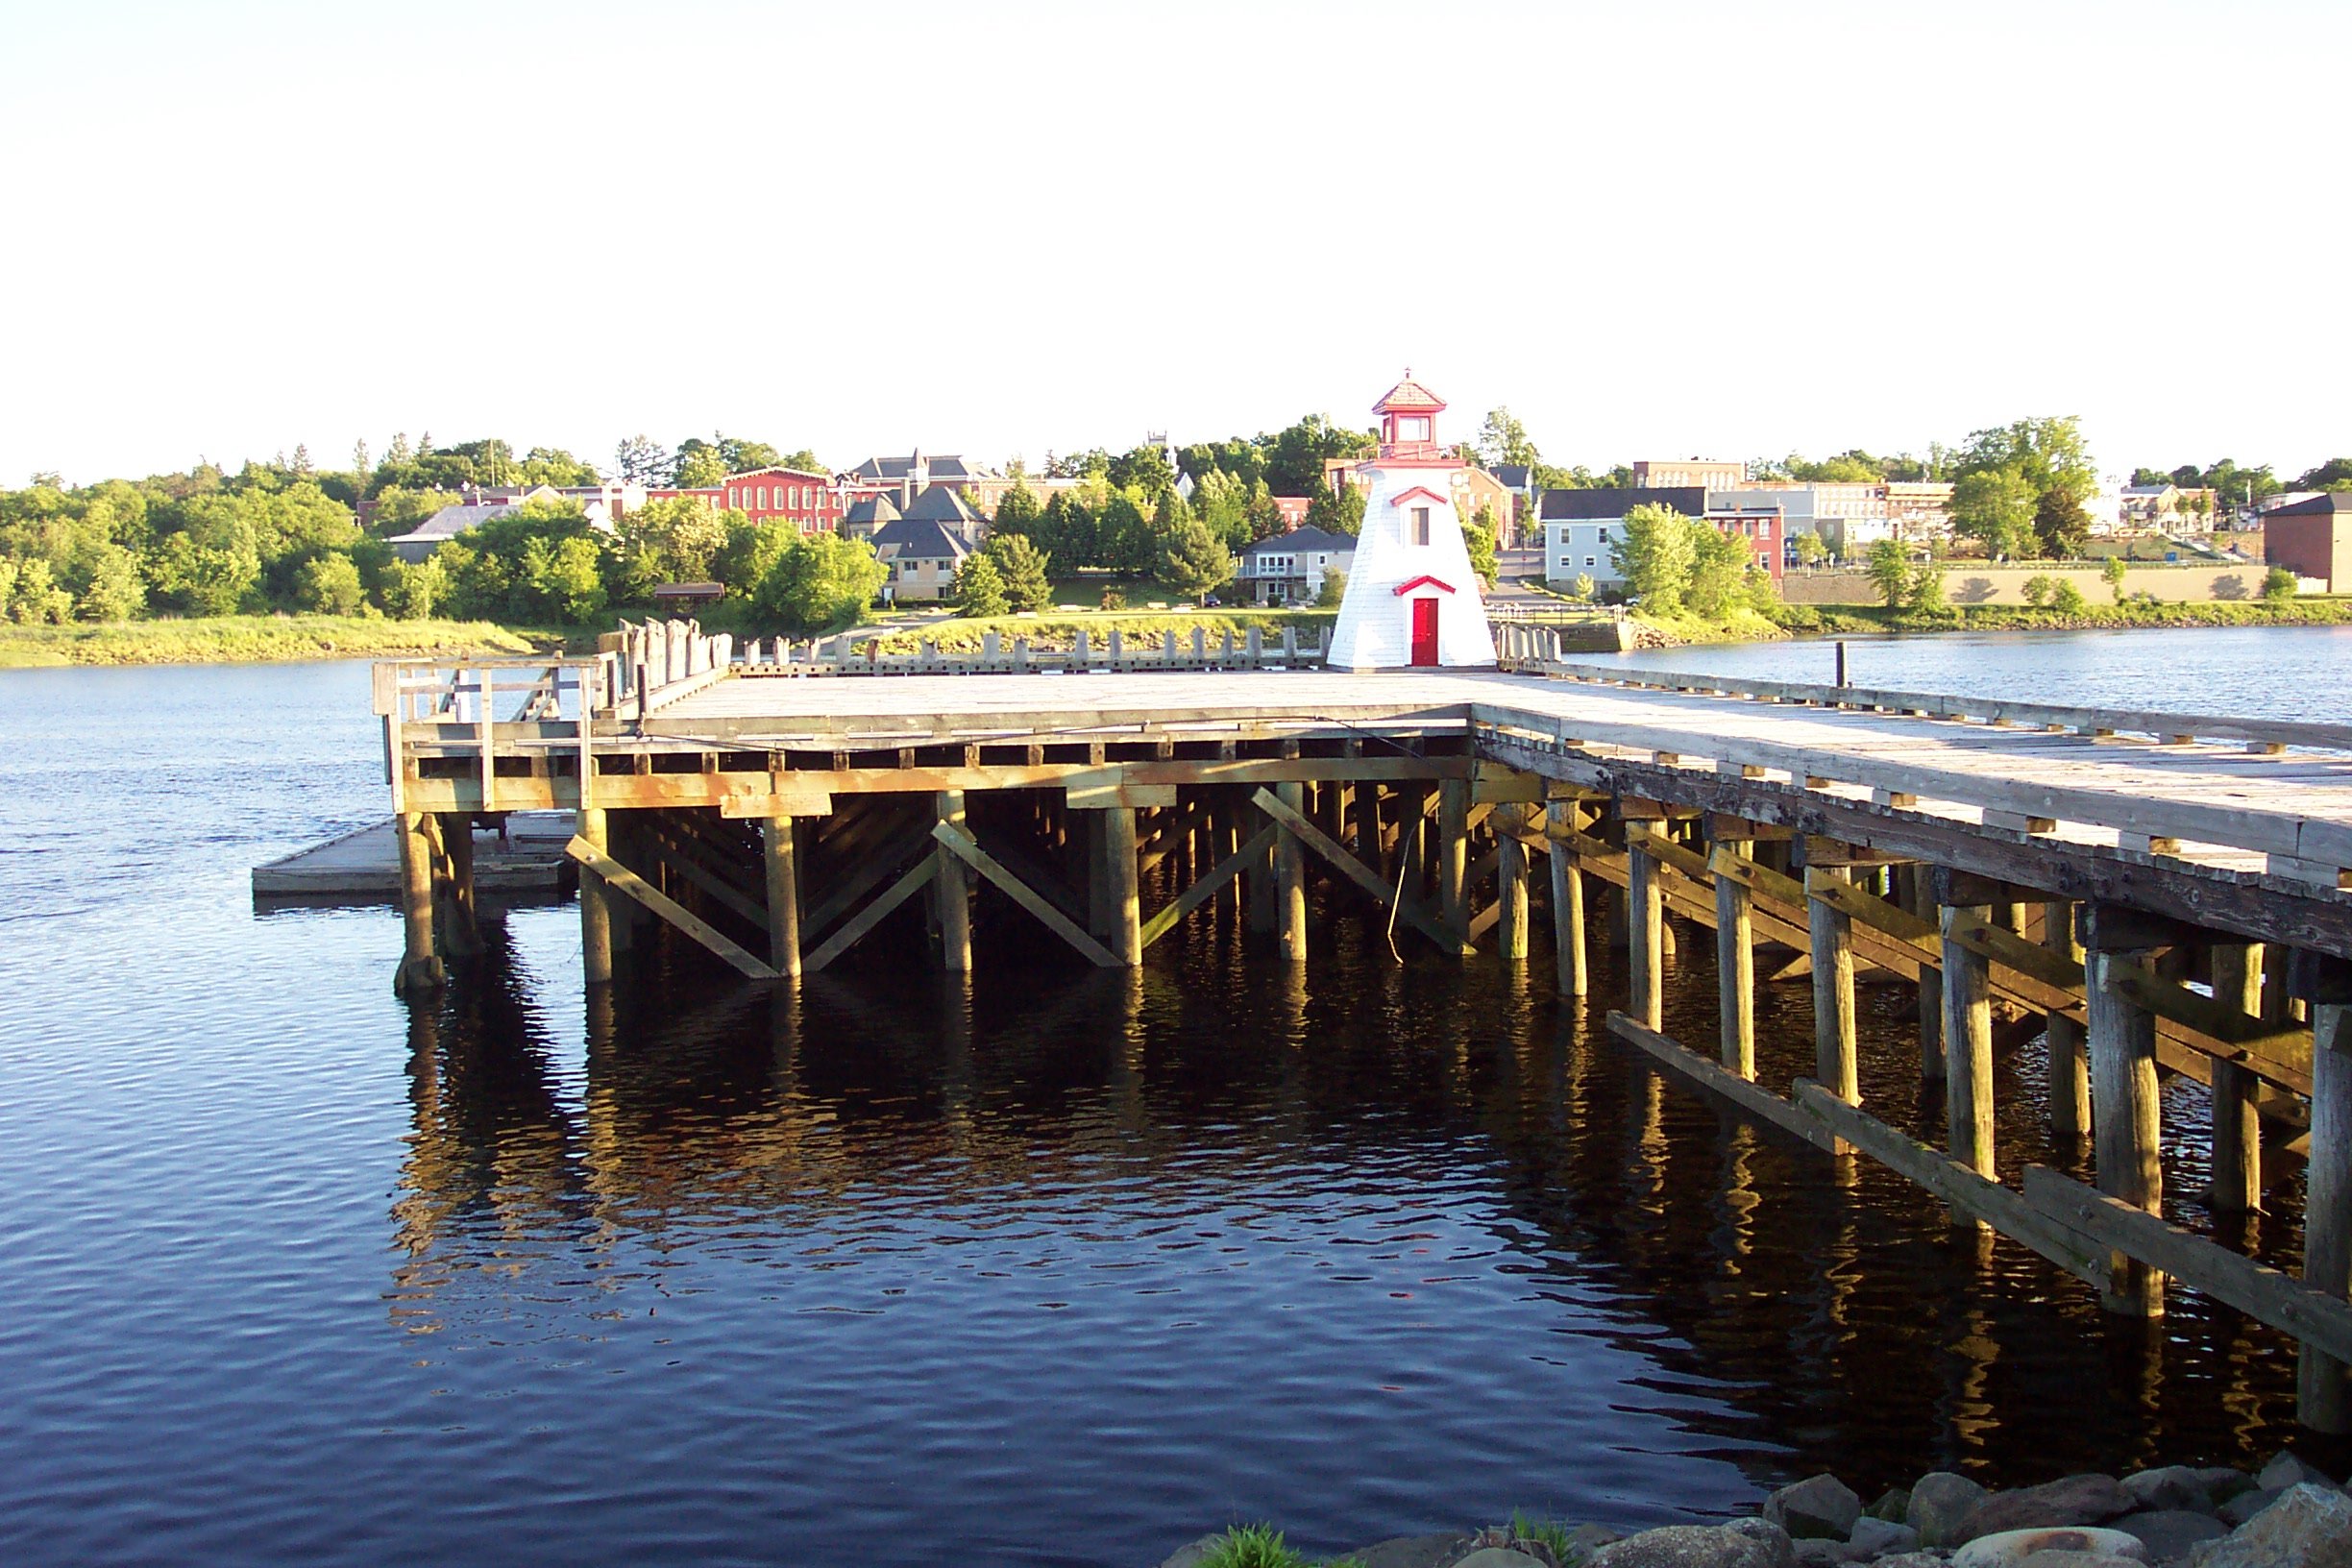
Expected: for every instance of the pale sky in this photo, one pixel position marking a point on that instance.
(1651, 229)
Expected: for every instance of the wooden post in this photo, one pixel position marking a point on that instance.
(1836, 1064)
(420, 970)
(1568, 976)
(2070, 1066)
(1291, 881)
(1258, 882)
(595, 904)
(1918, 898)
(1967, 1044)
(1366, 803)
(2126, 1127)
(2324, 1400)
(783, 865)
(1643, 915)
(1735, 967)
(1124, 909)
(951, 892)
(2237, 1131)
(1454, 854)
(461, 919)
(1512, 898)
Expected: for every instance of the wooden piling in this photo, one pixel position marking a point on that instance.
(1735, 966)
(1569, 977)
(1123, 905)
(2125, 1124)
(1967, 1044)
(2236, 1130)
(2069, 1065)
(459, 916)
(420, 970)
(1511, 898)
(1836, 1057)
(595, 903)
(1258, 882)
(1454, 854)
(951, 891)
(782, 863)
(1365, 801)
(2323, 1395)
(1291, 882)
(1644, 915)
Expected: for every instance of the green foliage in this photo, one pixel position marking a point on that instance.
(2112, 575)
(1017, 512)
(1114, 597)
(1251, 1546)
(1021, 568)
(249, 639)
(2336, 474)
(1810, 550)
(1194, 562)
(1295, 455)
(33, 600)
(2039, 588)
(2047, 454)
(1889, 566)
(398, 511)
(539, 564)
(1504, 440)
(1222, 504)
(1334, 589)
(979, 588)
(1926, 597)
(1997, 505)
(113, 588)
(1549, 1534)
(1655, 556)
(329, 585)
(1146, 469)
(1719, 575)
(411, 593)
(1340, 510)
(2061, 526)
(677, 540)
(1583, 587)
(815, 585)
(2067, 599)
(1479, 536)
(2279, 585)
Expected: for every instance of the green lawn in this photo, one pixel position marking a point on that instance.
(252, 639)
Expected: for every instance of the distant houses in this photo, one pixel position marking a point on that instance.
(1583, 528)
(1290, 568)
(2312, 538)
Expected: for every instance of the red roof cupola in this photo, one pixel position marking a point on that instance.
(1409, 419)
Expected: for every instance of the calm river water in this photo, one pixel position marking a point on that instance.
(1062, 1269)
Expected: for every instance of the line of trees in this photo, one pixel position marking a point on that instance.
(1675, 564)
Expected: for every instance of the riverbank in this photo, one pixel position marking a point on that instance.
(2287, 1516)
(1784, 621)
(963, 634)
(258, 639)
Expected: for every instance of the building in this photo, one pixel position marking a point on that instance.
(2167, 506)
(1293, 509)
(601, 509)
(1581, 527)
(810, 502)
(1689, 474)
(948, 510)
(1519, 479)
(922, 556)
(1471, 489)
(1413, 600)
(2313, 539)
(903, 478)
(1847, 518)
(1918, 508)
(1757, 523)
(1289, 567)
(865, 518)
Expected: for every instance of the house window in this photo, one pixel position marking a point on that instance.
(761, 504)
(1420, 524)
(1589, 561)
(730, 494)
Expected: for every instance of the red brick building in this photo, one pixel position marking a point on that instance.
(769, 495)
(2312, 538)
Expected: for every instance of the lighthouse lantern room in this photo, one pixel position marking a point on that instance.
(1413, 600)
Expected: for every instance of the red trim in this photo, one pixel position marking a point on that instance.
(1424, 580)
(1420, 490)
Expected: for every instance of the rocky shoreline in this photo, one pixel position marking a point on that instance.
(2288, 1515)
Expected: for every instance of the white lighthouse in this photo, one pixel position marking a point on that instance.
(1411, 597)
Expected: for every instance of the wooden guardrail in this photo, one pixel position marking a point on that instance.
(998, 655)
(490, 708)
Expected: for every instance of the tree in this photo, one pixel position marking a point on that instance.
(1655, 556)
(2061, 526)
(2067, 599)
(1718, 570)
(1479, 536)
(978, 588)
(1926, 596)
(1889, 565)
(698, 466)
(113, 589)
(1295, 455)
(2047, 454)
(2336, 474)
(641, 460)
(1021, 566)
(1193, 562)
(1997, 505)
(1334, 589)
(2112, 575)
(2039, 588)
(329, 585)
(676, 539)
(1146, 469)
(1583, 587)
(410, 593)
(816, 583)
(1017, 512)
(1503, 440)
(1340, 510)
(2279, 585)
(1810, 550)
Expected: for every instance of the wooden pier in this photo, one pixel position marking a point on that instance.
(2157, 894)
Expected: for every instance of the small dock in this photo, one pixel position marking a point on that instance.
(362, 866)
(2152, 894)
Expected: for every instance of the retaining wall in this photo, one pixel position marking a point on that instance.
(1974, 582)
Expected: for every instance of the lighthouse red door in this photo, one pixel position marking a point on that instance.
(1425, 631)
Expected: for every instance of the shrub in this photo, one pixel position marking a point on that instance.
(2039, 588)
(1334, 589)
(2279, 585)
(327, 585)
(979, 588)
(2067, 599)
(1113, 599)
(2112, 573)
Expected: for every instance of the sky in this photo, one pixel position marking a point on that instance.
(1650, 231)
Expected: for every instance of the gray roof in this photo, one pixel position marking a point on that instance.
(1609, 503)
(920, 539)
(1306, 538)
(452, 521)
(874, 509)
(2320, 506)
(941, 505)
(1514, 475)
(949, 467)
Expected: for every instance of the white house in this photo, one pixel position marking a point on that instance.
(1289, 567)
(1412, 599)
(1581, 529)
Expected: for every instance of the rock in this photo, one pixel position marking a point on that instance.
(2307, 1527)
(2223, 1483)
(1939, 1502)
(2168, 1533)
(2174, 1487)
(1820, 1508)
(1192, 1553)
(1880, 1536)
(2010, 1548)
(1582, 1542)
(1743, 1543)
(2245, 1506)
(2079, 1559)
(2285, 1471)
(1893, 1505)
(1412, 1551)
(1816, 1553)
(1496, 1557)
(2077, 1500)
(1914, 1559)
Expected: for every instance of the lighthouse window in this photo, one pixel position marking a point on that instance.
(1420, 524)
(1413, 429)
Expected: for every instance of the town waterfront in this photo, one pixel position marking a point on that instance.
(1065, 1267)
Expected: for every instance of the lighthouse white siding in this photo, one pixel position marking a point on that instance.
(1375, 627)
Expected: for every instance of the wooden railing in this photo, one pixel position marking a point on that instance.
(490, 708)
(998, 655)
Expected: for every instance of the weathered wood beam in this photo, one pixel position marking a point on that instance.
(958, 841)
(621, 879)
(1755, 1100)
(781, 861)
(1206, 888)
(1316, 840)
(855, 928)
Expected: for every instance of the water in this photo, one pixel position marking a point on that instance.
(1064, 1269)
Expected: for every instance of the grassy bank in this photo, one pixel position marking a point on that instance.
(963, 634)
(256, 639)
(1807, 618)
